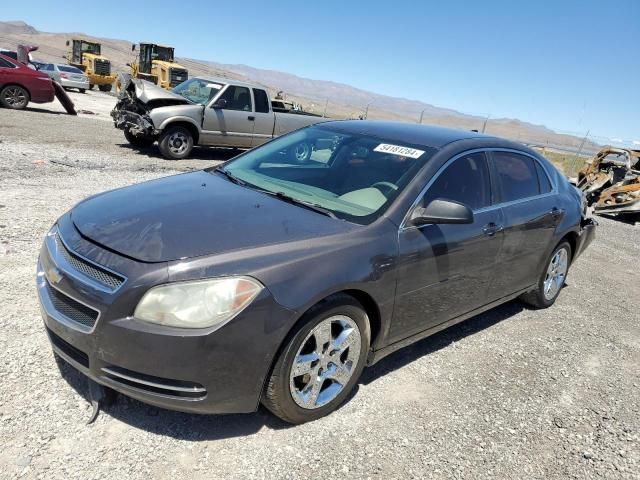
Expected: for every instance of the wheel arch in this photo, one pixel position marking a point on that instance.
(182, 122)
(16, 84)
(368, 304)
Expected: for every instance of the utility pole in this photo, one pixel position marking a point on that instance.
(366, 111)
(575, 163)
(326, 104)
(484, 126)
(422, 115)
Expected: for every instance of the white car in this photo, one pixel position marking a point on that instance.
(67, 76)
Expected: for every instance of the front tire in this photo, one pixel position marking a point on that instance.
(175, 143)
(321, 361)
(138, 141)
(14, 97)
(105, 88)
(552, 278)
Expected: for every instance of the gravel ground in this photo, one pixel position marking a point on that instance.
(513, 393)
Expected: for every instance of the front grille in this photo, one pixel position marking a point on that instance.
(155, 385)
(102, 67)
(71, 309)
(101, 275)
(65, 347)
(177, 76)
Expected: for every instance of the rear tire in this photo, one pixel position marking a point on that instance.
(91, 85)
(82, 90)
(14, 97)
(175, 143)
(552, 278)
(105, 88)
(313, 377)
(138, 141)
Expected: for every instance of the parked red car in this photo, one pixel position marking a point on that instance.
(20, 84)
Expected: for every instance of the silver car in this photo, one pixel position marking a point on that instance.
(67, 76)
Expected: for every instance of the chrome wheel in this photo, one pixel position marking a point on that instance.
(15, 97)
(556, 273)
(325, 362)
(302, 152)
(178, 142)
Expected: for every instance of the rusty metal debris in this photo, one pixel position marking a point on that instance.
(611, 181)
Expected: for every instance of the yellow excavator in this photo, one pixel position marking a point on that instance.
(155, 63)
(87, 57)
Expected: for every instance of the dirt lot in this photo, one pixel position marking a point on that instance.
(513, 393)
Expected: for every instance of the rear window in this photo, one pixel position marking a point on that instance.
(262, 100)
(6, 64)
(517, 176)
(69, 69)
(543, 179)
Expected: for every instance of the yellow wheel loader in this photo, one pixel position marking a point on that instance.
(87, 57)
(155, 63)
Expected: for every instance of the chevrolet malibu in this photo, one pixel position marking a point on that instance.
(276, 280)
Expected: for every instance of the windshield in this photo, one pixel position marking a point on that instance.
(197, 90)
(162, 53)
(69, 69)
(354, 176)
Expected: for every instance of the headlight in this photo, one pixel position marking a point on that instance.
(197, 304)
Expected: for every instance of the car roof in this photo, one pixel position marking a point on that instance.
(415, 133)
(226, 81)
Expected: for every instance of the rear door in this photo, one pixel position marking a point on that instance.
(6, 70)
(263, 122)
(446, 270)
(531, 214)
(231, 126)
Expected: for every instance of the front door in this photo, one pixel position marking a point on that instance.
(445, 270)
(232, 125)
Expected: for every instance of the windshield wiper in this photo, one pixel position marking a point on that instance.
(295, 201)
(231, 177)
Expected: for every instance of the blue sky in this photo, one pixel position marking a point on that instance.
(537, 61)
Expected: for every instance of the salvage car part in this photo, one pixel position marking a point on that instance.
(611, 181)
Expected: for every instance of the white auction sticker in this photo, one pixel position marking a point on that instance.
(215, 86)
(399, 150)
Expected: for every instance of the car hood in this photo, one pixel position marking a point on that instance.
(192, 215)
(147, 92)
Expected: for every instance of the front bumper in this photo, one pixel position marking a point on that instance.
(136, 123)
(199, 371)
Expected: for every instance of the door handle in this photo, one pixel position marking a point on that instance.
(251, 118)
(490, 229)
(555, 212)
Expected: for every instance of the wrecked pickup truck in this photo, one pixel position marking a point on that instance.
(203, 111)
(611, 181)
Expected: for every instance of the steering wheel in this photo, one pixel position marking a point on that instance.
(385, 187)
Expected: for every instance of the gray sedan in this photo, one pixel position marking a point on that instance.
(67, 76)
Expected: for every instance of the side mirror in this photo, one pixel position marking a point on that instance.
(67, 43)
(221, 103)
(441, 211)
(133, 47)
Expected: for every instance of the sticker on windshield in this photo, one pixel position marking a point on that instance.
(398, 150)
(215, 86)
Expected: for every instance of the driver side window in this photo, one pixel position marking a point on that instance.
(466, 181)
(238, 98)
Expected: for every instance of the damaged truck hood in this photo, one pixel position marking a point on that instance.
(147, 92)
